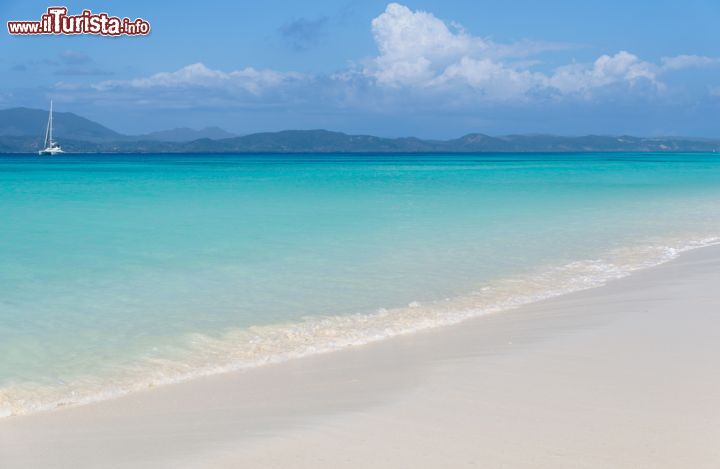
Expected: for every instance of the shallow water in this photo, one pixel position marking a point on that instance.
(124, 271)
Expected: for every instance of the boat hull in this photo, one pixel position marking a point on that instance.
(50, 152)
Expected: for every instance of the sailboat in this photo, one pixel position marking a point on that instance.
(51, 147)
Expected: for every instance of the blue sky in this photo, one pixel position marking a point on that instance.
(433, 69)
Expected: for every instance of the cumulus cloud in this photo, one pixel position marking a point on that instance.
(489, 79)
(418, 49)
(622, 67)
(421, 56)
(414, 45)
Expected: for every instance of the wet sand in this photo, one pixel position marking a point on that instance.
(624, 376)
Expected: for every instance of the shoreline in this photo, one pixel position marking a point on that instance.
(444, 395)
(279, 343)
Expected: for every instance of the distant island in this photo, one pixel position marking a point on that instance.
(21, 131)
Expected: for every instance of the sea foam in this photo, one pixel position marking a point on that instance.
(239, 349)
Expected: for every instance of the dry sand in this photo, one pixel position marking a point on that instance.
(621, 376)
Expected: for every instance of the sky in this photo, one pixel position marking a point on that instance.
(431, 69)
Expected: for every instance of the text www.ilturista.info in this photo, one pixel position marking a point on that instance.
(57, 21)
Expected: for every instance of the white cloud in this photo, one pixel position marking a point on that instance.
(417, 49)
(198, 75)
(622, 67)
(493, 79)
(688, 61)
(413, 45)
(420, 55)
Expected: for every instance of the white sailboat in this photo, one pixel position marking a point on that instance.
(51, 147)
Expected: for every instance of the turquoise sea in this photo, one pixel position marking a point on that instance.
(120, 272)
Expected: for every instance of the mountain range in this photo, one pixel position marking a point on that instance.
(22, 131)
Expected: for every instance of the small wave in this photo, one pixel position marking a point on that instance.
(239, 349)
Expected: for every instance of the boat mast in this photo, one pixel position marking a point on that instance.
(51, 122)
(48, 129)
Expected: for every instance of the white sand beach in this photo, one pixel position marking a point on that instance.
(621, 376)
